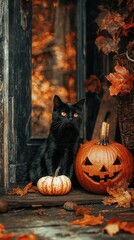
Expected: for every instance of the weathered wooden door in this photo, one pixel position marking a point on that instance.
(16, 48)
(17, 143)
(19, 87)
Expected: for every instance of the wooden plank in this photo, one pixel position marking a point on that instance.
(53, 223)
(4, 77)
(37, 199)
(107, 112)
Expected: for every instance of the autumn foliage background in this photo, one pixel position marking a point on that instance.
(115, 36)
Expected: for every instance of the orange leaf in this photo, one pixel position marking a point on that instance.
(112, 227)
(2, 228)
(106, 44)
(131, 191)
(88, 220)
(126, 28)
(127, 227)
(15, 191)
(31, 236)
(5, 236)
(21, 192)
(82, 210)
(122, 81)
(119, 194)
(112, 22)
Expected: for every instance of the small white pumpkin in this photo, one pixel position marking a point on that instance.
(57, 185)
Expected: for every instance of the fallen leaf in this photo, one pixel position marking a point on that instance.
(5, 236)
(29, 188)
(40, 211)
(82, 210)
(131, 191)
(127, 227)
(119, 194)
(2, 228)
(88, 220)
(30, 236)
(112, 227)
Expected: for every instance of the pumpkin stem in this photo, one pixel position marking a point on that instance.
(104, 136)
(57, 171)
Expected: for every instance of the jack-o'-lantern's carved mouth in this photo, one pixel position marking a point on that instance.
(97, 178)
(103, 175)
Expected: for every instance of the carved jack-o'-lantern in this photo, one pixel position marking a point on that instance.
(101, 163)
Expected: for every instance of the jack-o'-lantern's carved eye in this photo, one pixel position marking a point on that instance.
(100, 165)
(63, 114)
(103, 173)
(75, 115)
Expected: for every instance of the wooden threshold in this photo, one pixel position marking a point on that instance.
(39, 200)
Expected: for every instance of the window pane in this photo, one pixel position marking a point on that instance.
(53, 59)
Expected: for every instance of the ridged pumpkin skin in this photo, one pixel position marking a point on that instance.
(58, 185)
(98, 166)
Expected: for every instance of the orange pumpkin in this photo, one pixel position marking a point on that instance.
(101, 163)
(57, 185)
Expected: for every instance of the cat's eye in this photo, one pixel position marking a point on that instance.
(75, 115)
(63, 114)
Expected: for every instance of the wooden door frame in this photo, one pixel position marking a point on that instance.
(10, 137)
(4, 92)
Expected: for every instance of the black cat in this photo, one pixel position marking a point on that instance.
(61, 146)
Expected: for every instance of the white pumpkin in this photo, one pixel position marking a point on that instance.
(57, 185)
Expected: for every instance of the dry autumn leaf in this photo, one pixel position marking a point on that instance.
(5, 236)
(127, 227)
(112, 227)
(88, 220)
(8, 236)
(30, 236)
(21, 192)
(119, 194)
(131, 191)
(106, 44)
(82, 210)
(122, 81)
(112, 22)
(126, 28)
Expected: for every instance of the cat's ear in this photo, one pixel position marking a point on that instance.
(80, 104)
(57, 102)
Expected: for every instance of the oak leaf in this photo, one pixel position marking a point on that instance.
(88, 220)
